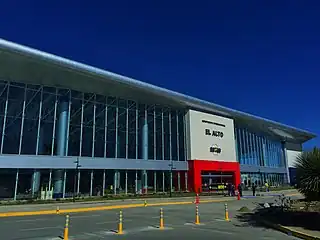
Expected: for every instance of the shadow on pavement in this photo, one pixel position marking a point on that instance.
(276, 215)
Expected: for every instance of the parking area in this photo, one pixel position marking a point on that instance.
(141, 223)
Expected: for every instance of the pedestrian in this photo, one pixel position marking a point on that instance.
(229, 189)
(240, 189)
(233, 189)
(254, 189)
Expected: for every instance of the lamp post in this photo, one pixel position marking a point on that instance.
(77, 166)
(171, 169)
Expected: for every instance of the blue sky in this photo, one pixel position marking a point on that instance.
(260, 57)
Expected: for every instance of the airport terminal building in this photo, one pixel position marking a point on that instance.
(76, 128)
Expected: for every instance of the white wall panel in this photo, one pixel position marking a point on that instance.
(292, 156)
(207, 131)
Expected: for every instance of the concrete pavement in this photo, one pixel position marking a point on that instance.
(104, 205)
(141, 223)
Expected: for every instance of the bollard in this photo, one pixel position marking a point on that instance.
(120, 227)
(57, 210)
(161, 226)
(197, 200)
(226, 213)
(66, 229)
(197, 215)
(238, 196)
(145, 203)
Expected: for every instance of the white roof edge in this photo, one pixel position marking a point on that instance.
(188, 100)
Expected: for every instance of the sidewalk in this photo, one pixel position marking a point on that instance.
(298, 232)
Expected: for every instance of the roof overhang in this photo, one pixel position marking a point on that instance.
(23, 64)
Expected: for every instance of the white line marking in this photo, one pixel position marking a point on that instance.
(86, 216)
(31, 220)
(98, 223)
(211, 230)
(36, 229)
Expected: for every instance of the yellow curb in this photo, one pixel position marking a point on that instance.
(90, 209)
(291, 231)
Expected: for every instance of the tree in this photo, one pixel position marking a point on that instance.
(308, 174)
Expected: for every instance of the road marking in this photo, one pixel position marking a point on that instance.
(106, 222)
(211, 230)
(85, 216)
(26, 220)
(193, 224)
(36, 229)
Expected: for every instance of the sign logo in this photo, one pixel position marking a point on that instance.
(215, 149)
(214, 133)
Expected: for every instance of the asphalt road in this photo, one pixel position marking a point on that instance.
(141, 223)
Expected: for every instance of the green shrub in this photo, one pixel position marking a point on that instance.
(308, 174)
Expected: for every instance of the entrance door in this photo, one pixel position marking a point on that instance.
(216, 181)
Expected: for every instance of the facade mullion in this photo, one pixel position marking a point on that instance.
(22, 119)
(54, 123)
(137, 126)
(39, 122)
(178, 146)
(240, 145)
(247, 147)
(162, 134)
(255, 152)
(117, 129)
(81, 126)
(154, 134)
(170, 137)
(105, 128)
(127, 130)
(94, 127)
(185, 150)
(68, 124)
(5, 118)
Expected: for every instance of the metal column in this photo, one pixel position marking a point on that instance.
(61, 146)
(78, 182)
(16, 185)
(155, 181)
(126, 183)
(145, 152)
(136, 182)
(186, 180)
(179, 184)
(64, 183)
(115, 179)
(35, 182)
(163, 188)
(91, 182)
(171, 182)
(50, 180)
(103, 182)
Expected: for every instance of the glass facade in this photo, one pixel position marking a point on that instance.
(260, 152)
(99, 126)
(47, 121)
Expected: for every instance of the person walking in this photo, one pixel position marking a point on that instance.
(229, 186)
(240, 189)
(254, 189)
